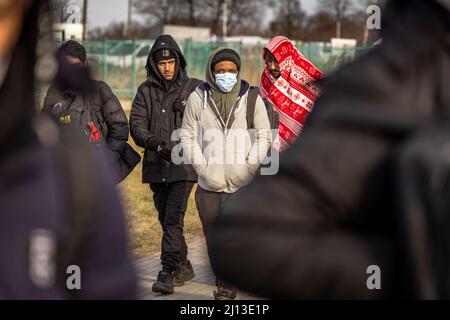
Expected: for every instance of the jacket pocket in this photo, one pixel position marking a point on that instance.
(239, 175)
(214, 177)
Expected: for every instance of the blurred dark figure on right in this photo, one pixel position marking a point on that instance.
(367, 185)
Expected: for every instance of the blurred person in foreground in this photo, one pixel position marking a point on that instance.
(366, 186)
(98, 114)
(288, 82)
(62, 231)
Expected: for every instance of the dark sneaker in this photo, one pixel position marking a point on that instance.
(164, 283)
(223, 293)
(182, 274)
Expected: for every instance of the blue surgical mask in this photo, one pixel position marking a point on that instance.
(226, 81)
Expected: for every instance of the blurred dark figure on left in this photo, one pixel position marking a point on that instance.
(62, 230)
(92, 107)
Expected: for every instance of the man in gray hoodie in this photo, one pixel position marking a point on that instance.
(223, 148)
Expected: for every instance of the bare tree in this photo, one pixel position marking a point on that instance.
(85, 19)
(212, 15)
(367, 3)
(191, 5)
(320, 27)
(369, 35)
(246, 15)
(115, 31)
(242, 15)
(127, 29)
(290, 19)
(338, 9)
(59, 10)
(162, 11)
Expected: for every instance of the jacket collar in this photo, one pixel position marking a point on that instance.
(226, 124)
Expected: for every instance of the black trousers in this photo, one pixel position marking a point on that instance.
(209, 205)
(171, 203)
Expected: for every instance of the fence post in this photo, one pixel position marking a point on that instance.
(133, 70)
(187, 53)
(104, 64)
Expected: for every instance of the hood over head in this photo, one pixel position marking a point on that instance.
(210, 78)
(168, 43)
(224, 101)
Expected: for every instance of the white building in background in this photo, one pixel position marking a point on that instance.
(68, 23)
(68, 31)
(345, 47)
(247, 40)
(338, 43)
(182, 32)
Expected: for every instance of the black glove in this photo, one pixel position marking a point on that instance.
(160, 147)
(153, 143)
(179, 105)
(166, 153)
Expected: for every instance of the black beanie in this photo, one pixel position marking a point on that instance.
(164, 54)
(226, 55)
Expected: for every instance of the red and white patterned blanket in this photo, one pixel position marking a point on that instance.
(293, 93)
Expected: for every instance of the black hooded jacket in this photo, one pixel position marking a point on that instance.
(106, 107)
(157, 112)
(107, 113)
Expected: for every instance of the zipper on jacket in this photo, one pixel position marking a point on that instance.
(229, 115)
(165, 177)
(225, 125)
(219, 116)
(238, 100)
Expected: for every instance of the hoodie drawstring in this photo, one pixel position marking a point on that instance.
(205, 100)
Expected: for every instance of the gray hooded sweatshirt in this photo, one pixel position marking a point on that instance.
(223, 152)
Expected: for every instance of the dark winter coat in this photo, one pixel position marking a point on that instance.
(107, 113)
(157, 112)
(313, 230)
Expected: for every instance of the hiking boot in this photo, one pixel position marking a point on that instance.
(164, 283)
(182, 274)
(223, 293)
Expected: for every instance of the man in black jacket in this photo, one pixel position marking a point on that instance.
(98, 113)
(314, 230)
(156, 114)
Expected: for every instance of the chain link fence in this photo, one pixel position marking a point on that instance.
(121, 64)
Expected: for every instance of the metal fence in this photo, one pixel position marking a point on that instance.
(121, 64)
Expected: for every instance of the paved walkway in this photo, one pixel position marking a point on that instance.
(199, 288)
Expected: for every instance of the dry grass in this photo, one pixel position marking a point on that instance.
(144, 228)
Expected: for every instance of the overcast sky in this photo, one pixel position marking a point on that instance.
(103, 12)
